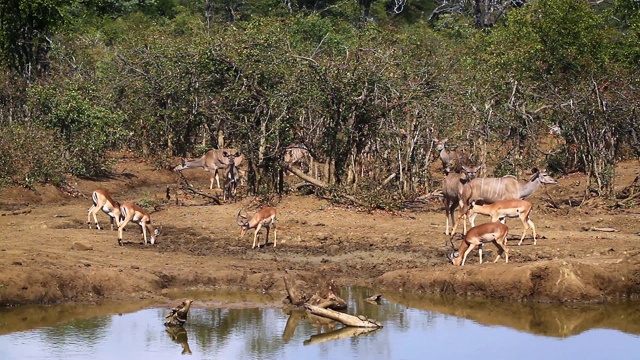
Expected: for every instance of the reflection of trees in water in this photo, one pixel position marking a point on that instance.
(258, 329)
(87, 332)
(542, 319)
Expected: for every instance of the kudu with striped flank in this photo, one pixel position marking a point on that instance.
(490, 190)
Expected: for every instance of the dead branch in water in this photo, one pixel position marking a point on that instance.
(346, 319)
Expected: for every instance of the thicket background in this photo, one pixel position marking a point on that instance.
(366, 85)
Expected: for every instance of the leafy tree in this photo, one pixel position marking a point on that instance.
(26, 31)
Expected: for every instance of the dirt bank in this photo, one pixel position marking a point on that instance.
(47, 253)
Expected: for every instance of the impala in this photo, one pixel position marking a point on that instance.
(132, 212)
(490, 190)
(103, 201)
(513, 208)
(211, 161)
(451, 160)
(266, 218)
(452, 186)
(495, 232)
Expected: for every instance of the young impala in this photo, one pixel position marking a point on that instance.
(103, 201)
(494, 232)
(513, 208)
(266, 218)
(133, 212)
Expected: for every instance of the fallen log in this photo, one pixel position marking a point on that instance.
(599, 229)
(319, 183)
(184, 185)
(345, 319)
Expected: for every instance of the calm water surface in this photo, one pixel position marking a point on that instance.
(414, 328)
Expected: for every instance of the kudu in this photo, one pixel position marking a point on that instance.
(452, 185)
(102, 200)
(513, 208)
(266, 218)
(298, 155)
(211, 161)
(495, 232)
(451, 160)
(490, 190)
(231, 177)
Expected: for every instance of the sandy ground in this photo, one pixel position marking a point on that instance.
(47, 253)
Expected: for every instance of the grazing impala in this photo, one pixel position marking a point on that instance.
(211, 161)
(490, 190)
(452, 186)
(514, 208)
(103, 201)
(133, 212)
(266, 218)
(495, 232)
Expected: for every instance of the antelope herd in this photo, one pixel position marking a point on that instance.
(498, 198)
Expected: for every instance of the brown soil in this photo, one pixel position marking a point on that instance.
(47, 253)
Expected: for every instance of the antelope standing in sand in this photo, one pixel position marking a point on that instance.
(452, 185)
(132, 212)
(490, 190)
(514, 208)
(211, 161)
(103, 201)
(495, 232)
(451, 160)
(266, 218)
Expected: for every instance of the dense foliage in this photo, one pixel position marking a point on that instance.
(365, 85)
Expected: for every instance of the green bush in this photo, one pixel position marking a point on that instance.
(30, 155)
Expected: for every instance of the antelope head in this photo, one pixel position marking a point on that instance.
(454, 253)
(243, 222)
(543, 176)
(156, 233)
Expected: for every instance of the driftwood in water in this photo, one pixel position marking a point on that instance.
(346, 319)
(178, 315)
(324, 298)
